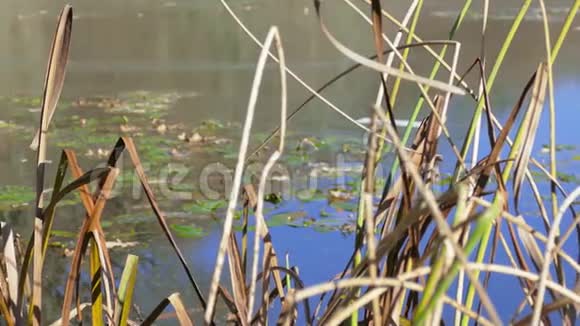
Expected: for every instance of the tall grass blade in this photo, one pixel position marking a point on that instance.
(126, 143)
(52, 88)
(125, 293)
(492, 77)
(238, 279)
(530, 126)
(96, 283)
(227, 229)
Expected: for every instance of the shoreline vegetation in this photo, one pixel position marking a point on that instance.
(421, 246)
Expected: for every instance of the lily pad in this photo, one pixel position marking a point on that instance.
(204, 206)
(559, 148)
(284, 218)
(187, 231)
(309, 195)
(14, 196)
(63, 234)
(273, 198)
(345, 206)
(212, 124)
(568, 178)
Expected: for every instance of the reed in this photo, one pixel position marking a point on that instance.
(409, 250)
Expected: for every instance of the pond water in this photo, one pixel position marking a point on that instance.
(171, 71)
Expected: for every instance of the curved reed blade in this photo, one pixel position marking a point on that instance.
(91, 222)
(262, 232)
(175, 301)
(228, 223)
(381, 67)
(530, 126)
(238, 280)
(126, 143)
(11, 276)
(55, 72)
(67, 160)
(75, 312)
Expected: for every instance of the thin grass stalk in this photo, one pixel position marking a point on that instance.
(543, 278)
(422, 82)
(290, 72)
(461, 276)
(434, 71)
(539, 87)
(273, 36)
(442, 225)
(401, 281)
(567, 234)
(481, 226)
(245, 220)
(523, 226)
(208, 316)
(427, 47)
(377, 28)
(536, 164)
(528, 298)
(503, 51)
(553, 167)
(367, 185)
(506, 270)
(367, 202)
(410, 76)
(482, 83)
(491, 79)
(397, 84)
(439, 262)
(565, 28)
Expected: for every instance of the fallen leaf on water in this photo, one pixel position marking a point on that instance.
(195, 138)
(339, 194)
(127, 128)
(120, 244)
(162, 128)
